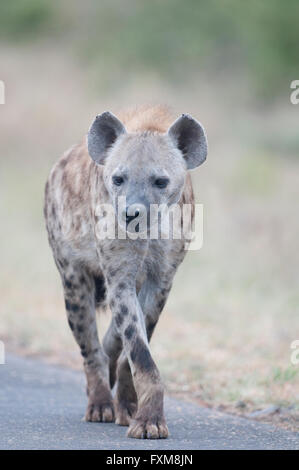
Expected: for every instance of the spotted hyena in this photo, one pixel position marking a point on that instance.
(145, 156)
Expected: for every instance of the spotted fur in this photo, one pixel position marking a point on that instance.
(133, 277)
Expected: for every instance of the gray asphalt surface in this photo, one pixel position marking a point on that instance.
(41, 407)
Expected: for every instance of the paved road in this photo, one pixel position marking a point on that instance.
(41, 407)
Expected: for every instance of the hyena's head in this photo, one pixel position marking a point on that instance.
(145, 167)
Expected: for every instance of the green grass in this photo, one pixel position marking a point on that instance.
(285, 375)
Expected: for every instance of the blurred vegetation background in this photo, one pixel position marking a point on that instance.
(224, 338)
(258, 38)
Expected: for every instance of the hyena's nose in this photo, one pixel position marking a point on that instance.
(131, 215)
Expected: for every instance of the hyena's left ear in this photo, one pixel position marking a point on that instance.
(189, 136)
(103, 132)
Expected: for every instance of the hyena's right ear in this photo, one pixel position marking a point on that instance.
(103, 132)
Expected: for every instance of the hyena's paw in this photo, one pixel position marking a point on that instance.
(100, 406)
(124, 412)
(99, 413)
(146, 429)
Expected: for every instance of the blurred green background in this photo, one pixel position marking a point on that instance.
(224, 338)
(257, 38)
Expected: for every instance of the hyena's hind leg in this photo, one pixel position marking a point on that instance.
(82, 292)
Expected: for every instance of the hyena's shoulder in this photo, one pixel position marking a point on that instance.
(66, 180)
(71, 172)
(67, 206)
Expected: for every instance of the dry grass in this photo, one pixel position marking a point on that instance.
(224, 337)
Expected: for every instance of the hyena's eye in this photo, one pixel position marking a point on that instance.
(161, 182)
(117, 180)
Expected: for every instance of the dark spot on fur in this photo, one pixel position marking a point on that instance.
(141, 357)
(71, 324)
(71, 307)
(129, 331)
(112, 272)
(112, 303)
(119, 320)
(100, 289)
(150, 328)
(53, 211)
(124, 309)
(80, 328)
(134, 318)
(121, 285)
(82, 280)
(60, 263)
(161, 304)
(63, 162)
(68, 284)
(47, 189)
(78, 222)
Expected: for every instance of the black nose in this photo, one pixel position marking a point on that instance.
(129, 218)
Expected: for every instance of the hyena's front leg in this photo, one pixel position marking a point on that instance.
(152, 298)
(81, 291)
(149, 420)
(112, 345)
(125, 403)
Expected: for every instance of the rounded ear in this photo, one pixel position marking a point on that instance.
(189, 136)
(103, 132)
